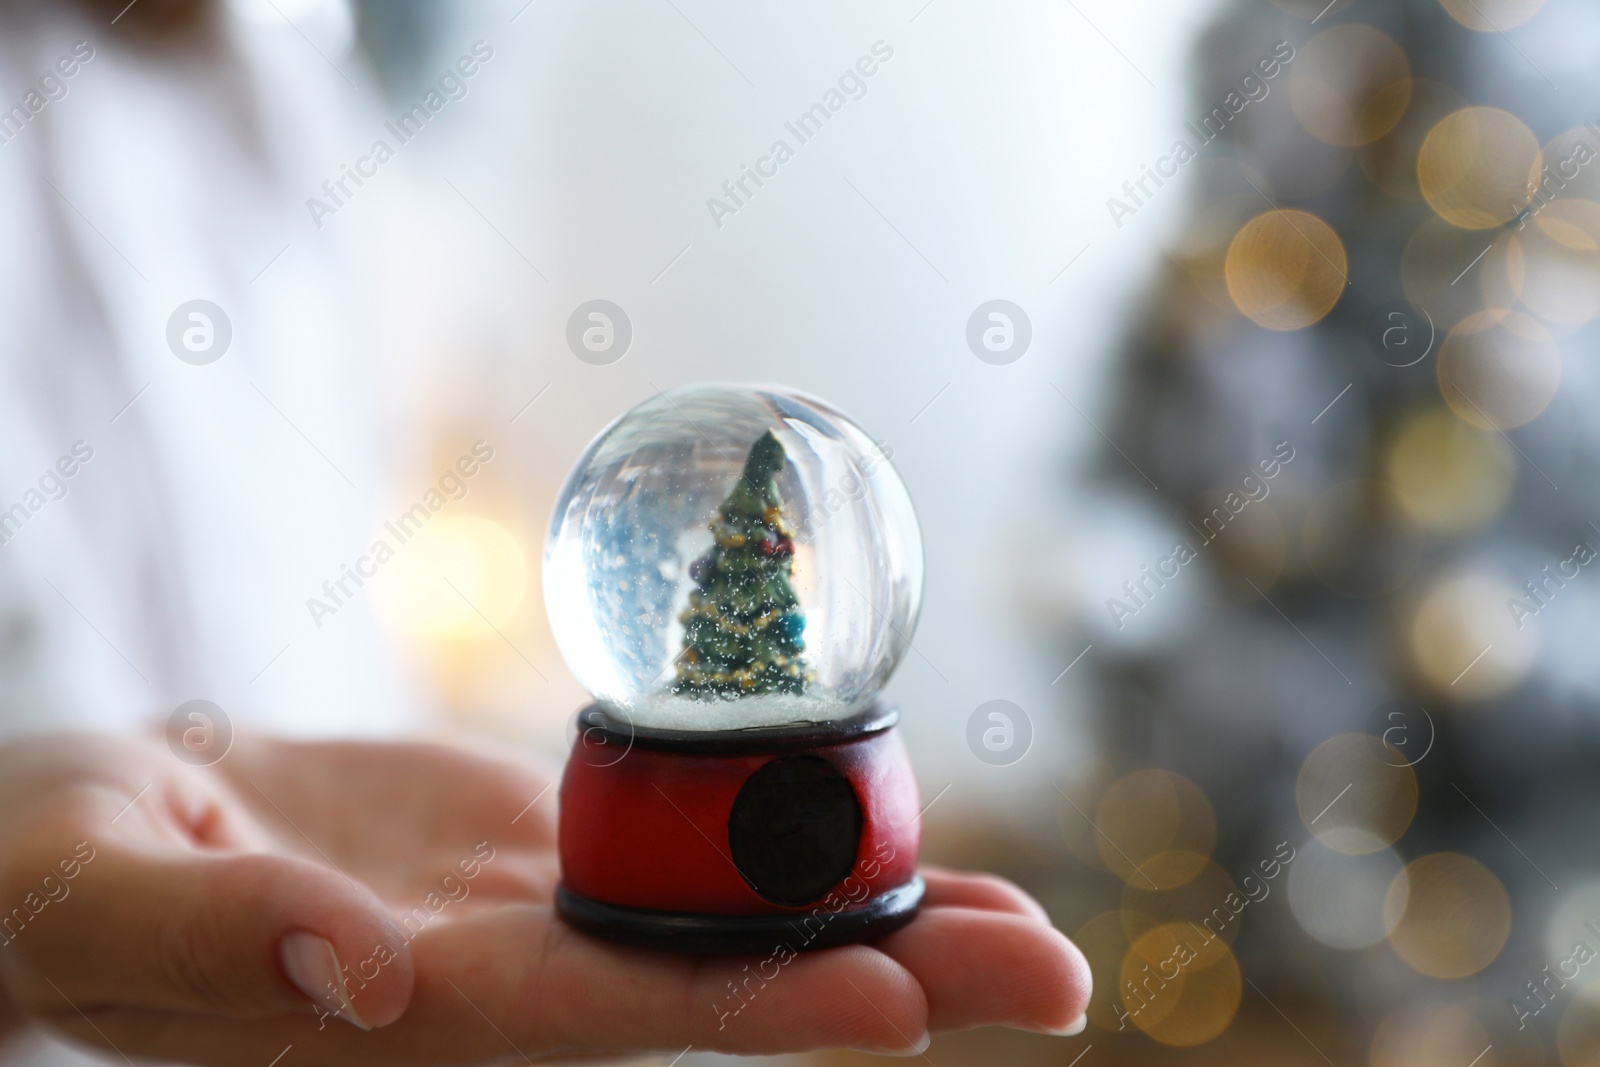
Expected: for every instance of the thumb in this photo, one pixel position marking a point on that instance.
(242, 936)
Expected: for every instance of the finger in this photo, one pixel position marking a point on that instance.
(984, 968)
(986, 891)
(238, 936)
(782, 1000)
(513, 983)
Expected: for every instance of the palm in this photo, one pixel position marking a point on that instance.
(497, 976)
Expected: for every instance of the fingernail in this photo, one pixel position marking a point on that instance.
(918, 1049)
(313, 966)
(1072, 1029)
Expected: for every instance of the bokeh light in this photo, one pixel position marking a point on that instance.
(1569, 165)
(1450, 475)
(1286, 269)
(1355, 794)
(1151, 978)
(1450, 915)
(1552, 264)
(457, 577)
(1188, 986)
(1157, 829)
(1492, 16)
(1499, 371)
(1478, 167)
(1350, 85)
(1570, 922)
(1388, 562)
(1338, 897)
(1578, 1035)
(1465, 640)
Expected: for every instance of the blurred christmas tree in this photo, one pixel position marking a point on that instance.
(741, 631)
(1391, 262)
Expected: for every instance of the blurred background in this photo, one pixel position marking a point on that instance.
(1274, 534)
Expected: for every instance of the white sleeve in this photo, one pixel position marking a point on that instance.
(206, 503)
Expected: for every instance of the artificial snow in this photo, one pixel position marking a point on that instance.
(672, 711)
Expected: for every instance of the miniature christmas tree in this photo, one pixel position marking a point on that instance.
(741, 630)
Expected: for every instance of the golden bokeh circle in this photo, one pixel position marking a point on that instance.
(1478, 167)
(1451, 476)
(1352, 795)
(1185, 985)
(1452, 919)
(1573, 223)
(1572, 163)
(1553, 263)
(1286, 269)
(1578, 1035)
(1466, 640)
(1337, 898)
(459, 578)
(1499, 370)
(1491, 16)
(1210, 902)
(1151, 976)
(1350, 85)
(1156, 828)
(1567, 923)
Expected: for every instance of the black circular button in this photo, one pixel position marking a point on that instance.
(794, 829)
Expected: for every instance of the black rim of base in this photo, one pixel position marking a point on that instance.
(708, 935)
(598, 727)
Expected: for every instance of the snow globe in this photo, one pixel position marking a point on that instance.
(733, 573)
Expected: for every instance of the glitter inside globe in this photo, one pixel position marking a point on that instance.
(726, 557)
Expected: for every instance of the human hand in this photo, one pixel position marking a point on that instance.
(196, 929)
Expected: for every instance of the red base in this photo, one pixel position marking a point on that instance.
(645, 825)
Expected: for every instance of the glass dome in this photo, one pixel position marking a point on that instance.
(728, 556)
